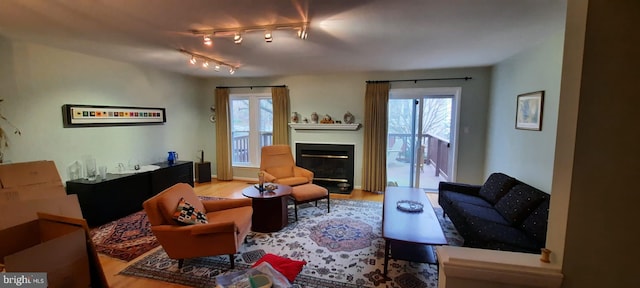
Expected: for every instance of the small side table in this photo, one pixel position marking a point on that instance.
(203, 171)
(270, 212)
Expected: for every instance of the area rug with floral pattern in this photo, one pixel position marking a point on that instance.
(343, 248)
(128, 237)
(125, 238)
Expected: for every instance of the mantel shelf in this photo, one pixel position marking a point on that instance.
(309, 126)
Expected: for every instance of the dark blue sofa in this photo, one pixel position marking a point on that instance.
(502, 214)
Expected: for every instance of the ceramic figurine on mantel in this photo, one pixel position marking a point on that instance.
(294, 117)
(349, 118)
(326, 119)
(314, 118)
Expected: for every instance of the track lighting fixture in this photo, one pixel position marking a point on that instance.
(195, 57)
(301, 28)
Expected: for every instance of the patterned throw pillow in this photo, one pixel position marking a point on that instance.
(187, 214)
(519, 202)
(496, 186)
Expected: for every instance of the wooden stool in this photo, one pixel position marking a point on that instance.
(307, 193)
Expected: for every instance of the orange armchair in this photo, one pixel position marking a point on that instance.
(278, 166)
(229, 223)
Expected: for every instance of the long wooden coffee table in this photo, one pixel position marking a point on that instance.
(409, 235)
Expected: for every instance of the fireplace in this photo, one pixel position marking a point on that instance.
(332, 164)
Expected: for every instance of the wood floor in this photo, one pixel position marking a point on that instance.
(225, 189)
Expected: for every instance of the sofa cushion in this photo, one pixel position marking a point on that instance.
(455, 197)
(240, 216)
(490, 214)
(519, 202)
(498, 236)
(292, 181)
(535, 225)
(496, 186)
(187, 214)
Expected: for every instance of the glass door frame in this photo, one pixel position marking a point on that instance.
(420, 94)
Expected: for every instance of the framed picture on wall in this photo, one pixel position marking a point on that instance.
(529, 111)
(93, 116)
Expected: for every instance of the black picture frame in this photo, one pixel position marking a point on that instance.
(529, 110)
(75, 115)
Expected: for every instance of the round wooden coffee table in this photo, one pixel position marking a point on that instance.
(270, 213)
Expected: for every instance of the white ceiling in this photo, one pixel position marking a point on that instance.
(356, 35)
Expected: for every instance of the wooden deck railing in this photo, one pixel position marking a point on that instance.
(240, 146)
(436, 151)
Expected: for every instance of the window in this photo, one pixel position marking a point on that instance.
(251, 127)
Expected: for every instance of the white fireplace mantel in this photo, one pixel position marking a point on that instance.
(309, 126)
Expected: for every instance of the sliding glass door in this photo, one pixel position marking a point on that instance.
(420, 143)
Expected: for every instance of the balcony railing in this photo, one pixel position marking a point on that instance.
(240, 145)
(435, 151)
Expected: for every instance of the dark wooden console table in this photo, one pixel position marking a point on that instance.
(119, 195)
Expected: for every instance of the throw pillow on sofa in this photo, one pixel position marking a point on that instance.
(496, 186)
(187, 214)
(519, 202)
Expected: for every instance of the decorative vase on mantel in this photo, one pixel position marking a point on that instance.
(349, 118)
(294, 117)
(314, 118)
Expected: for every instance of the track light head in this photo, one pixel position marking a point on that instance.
(237, 38)
(232, 71)
(302, 33)
(205, 64)
(193, 60)
(207, 40)
(268, 36)
(217, 68)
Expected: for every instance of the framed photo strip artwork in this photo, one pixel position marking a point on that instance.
(93, 116)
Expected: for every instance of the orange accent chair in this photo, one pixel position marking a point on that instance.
(278, 166)
(229, 222)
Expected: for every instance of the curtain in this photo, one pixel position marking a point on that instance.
(374, 162)
(223, 135)
(280, 100)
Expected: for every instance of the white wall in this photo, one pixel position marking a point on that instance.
(337, 93)
(37, 80)
(523, 154)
